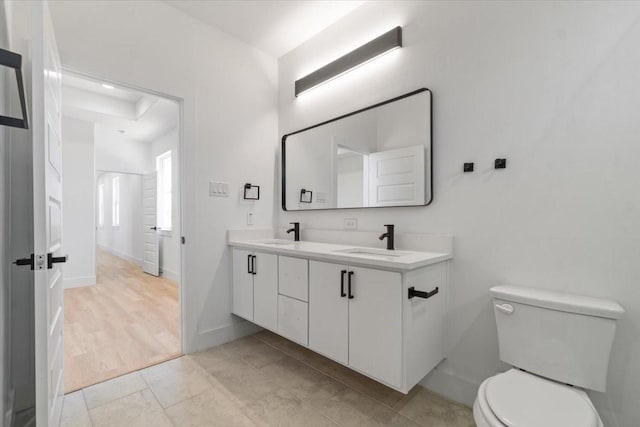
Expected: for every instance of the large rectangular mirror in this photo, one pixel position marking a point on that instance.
(379, 156)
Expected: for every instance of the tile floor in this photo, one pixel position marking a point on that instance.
(261, 380)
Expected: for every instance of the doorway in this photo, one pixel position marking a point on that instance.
(121, 187)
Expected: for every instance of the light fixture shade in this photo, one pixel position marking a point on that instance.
(376, 47)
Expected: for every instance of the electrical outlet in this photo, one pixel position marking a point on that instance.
(249, 218)
(350, 224)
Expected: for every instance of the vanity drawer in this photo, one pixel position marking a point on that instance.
(293, 319)
(293, 277)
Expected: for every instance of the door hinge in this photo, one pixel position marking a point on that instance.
(183, 240)
(35, 262)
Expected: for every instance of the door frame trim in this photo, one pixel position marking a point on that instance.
(182, 285)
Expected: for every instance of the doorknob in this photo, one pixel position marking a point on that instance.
(153, 228)
(55, 260)
(26, 261)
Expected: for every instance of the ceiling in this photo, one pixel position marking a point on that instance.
(275, 27)
(137, 115)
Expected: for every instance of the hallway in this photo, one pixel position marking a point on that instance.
(128, 321)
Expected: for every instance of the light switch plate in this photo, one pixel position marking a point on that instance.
(350, 224)
(218, 189)
(249, 218)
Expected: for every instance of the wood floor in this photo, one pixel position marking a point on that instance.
(128, 321)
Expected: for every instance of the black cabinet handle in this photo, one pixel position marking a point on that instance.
(422, 294)
(253, 265)
(249, 264)
(350, 294)
(342, 273)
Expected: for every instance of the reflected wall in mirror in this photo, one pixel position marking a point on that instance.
(379, 156)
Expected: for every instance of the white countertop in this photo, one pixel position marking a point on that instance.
(398, 260)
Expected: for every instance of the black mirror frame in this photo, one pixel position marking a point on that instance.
(283, 164)
(14, 60)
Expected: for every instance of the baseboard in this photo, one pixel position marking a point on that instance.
(77, 282)
(452, 386)
(225, 334)
(120, 254)
(171, 275)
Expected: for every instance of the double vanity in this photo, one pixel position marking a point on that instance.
(379, 312)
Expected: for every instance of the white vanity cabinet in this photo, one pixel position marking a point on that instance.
(360, 312)
(255, 287)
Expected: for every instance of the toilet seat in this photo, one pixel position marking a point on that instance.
(520, 399)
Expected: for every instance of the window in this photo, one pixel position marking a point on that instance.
(101, 205)
(115, 203)
(163, 167)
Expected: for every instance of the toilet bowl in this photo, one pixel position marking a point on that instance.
(519, 399)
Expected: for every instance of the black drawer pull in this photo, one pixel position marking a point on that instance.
(350, 294)
(422, 294)
(249, 264)
(342, 273)
(253, 265)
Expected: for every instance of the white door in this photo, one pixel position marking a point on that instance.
(329, 310)
(375, 324)
(242, 283)
(47, 216)
(396, 177)
(151, 252)
(265, 290)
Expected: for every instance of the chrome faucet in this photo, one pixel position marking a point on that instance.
(389, 235)
(296, 231)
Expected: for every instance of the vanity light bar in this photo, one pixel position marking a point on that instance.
(385, 43)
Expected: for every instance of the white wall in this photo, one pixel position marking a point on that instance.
(117, 152)
(170, 240)
(124, 240)
(78, 193)
(554, 88)
(229, 93)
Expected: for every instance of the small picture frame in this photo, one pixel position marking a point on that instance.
(306, 196)
(251, 192)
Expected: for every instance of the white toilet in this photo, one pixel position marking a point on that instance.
(558, 344)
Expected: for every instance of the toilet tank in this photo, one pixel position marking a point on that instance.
(563, 337)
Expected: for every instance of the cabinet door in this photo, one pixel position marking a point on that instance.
(375, 324)
(265, 290)
(293, 276)
(242, 284)
(293, 319)
(328, 311)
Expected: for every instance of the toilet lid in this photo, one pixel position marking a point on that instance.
(520, 399)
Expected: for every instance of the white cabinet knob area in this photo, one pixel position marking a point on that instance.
(349, 310)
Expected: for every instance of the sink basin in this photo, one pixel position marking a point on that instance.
(371, 252)
(277, 242)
